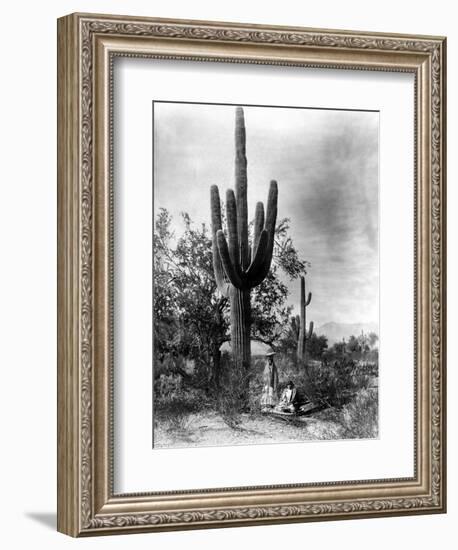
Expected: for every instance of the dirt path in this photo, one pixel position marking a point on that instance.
(209, 429)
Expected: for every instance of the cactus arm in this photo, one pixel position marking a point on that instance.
(241, 186)
(259, 256)
(310, 332)
(233, 242)
(221, 282)
(228, 266)
(258, 227)
(272, 201)
(215, 205)
(271, 216)
(295, 321)
(271, 219)
(309, 299)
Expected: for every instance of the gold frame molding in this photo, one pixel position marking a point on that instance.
(87, 44)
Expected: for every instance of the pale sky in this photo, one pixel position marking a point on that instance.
(326, 166)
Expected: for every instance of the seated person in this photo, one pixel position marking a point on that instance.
(288, 399)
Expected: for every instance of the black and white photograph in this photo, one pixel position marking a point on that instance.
(265, 274)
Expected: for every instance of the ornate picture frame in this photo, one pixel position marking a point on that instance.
(87, 46)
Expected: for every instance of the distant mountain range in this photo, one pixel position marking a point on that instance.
(335, 332)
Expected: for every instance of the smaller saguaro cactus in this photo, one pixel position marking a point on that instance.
(302, 334)
(295, 327)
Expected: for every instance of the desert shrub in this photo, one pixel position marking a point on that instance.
(359, 417)
(233, 396)
(335, 383)
(167, 363)
(287, 369)
(173, 414)
(370, 368)
(256, 382)
(174, 403)
(168, 386)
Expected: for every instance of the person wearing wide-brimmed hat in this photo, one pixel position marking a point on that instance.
(270, 382)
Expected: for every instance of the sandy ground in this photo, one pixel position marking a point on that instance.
(209, 429)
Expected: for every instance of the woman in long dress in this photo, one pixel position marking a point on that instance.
(270, 383)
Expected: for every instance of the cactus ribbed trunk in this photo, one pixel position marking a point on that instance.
(240, 298)
(238, 265)
(240, 327)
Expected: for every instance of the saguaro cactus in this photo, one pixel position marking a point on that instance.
(239, 267)
(301, 321)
